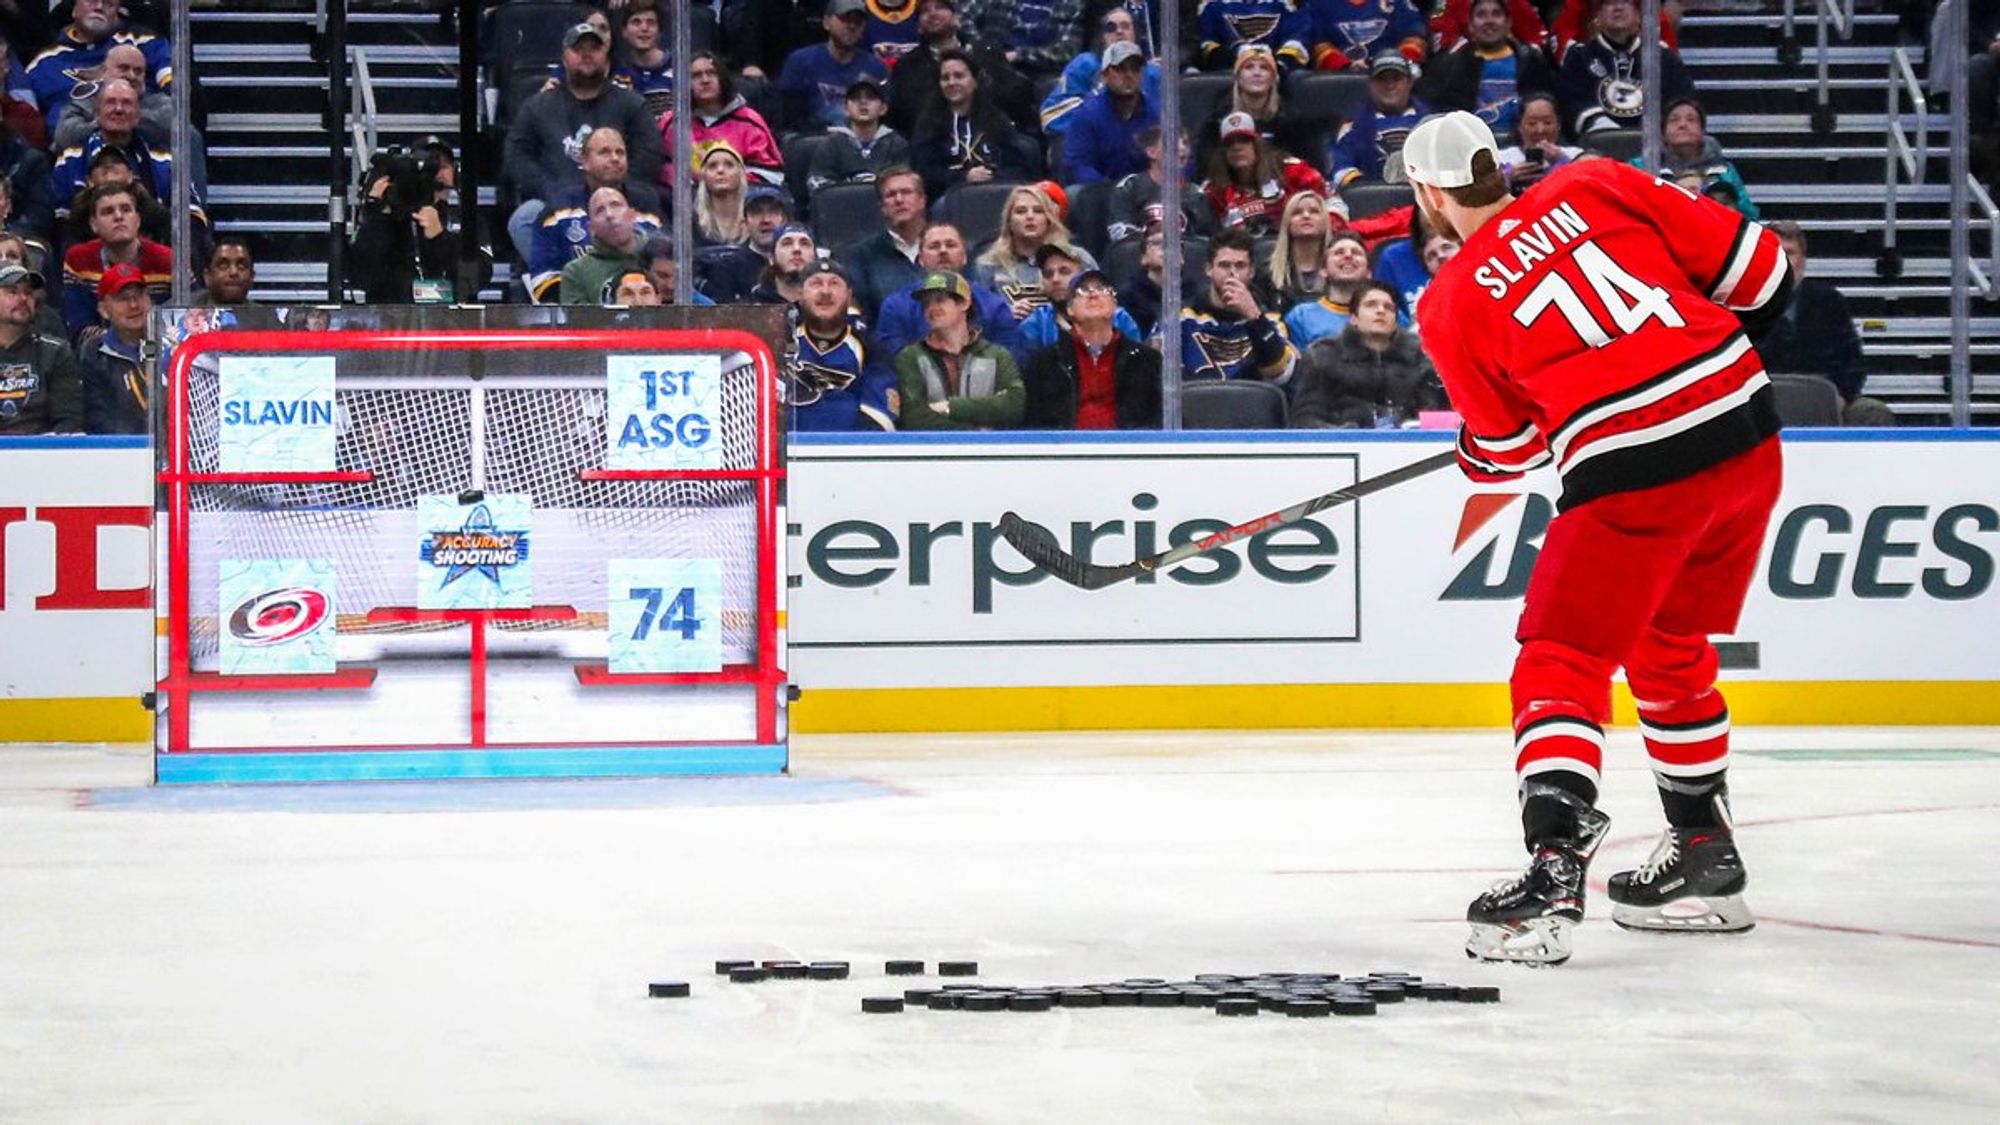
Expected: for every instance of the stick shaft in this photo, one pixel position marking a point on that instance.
(1303, 509)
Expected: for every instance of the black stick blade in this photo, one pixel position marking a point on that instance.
(1038, 545)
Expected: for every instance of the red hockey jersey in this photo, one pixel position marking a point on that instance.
(1594, 322)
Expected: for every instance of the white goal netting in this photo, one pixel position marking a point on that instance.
(440, 422)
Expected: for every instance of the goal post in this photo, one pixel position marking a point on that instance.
(546, 552)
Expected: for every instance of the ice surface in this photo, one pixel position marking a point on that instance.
(480, 951)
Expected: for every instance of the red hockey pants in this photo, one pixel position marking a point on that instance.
(1640, 580)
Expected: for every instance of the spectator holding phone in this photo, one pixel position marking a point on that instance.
(1540, 149)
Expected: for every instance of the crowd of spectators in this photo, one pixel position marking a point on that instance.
(1005, 265)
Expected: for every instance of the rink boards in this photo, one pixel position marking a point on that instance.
(1874, 600)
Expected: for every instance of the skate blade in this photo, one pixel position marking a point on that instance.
(1722, 914)
(1538, 942)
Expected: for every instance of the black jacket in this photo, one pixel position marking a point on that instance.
(1345, 385)
(388, 248)
(1815, 336)
(1052, 383)
(1451, 79)
(41, 388)
(116, 386)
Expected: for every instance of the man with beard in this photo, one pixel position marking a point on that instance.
(840, 381)
(41, 390)
(546, 140)
(1598, 324)
(792, 252)
(901, 321)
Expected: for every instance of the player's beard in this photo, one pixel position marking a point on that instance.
(1438, 222)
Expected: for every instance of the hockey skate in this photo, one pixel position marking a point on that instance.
(1527, 919)
(1692, 884)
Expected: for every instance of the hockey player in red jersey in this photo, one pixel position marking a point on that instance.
(1597, 323)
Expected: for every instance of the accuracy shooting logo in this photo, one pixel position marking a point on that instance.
(477, 547)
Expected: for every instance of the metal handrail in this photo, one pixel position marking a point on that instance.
(363, 125)
(1988, 279)
(1899, 151)
(1835, 14)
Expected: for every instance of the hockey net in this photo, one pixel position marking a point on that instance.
(451, 414)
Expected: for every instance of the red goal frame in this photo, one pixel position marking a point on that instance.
(177, 758)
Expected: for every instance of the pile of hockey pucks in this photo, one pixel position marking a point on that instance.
(751, 972)
(1303, 995)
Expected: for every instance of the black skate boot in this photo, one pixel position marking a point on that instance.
(1692, 884)
(1527, 919)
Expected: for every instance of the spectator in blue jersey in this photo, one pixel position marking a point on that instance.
(1092, 376)
(1038, 37)
(1350, 34)
(1488, 71)
(1376, 129)
(1343, 268)
(1224, 334)
(564, 229)
(864, 148)
(118, 131)
(30, 189)
(1373, 375)
(79, 49)
(901, 320)
(1104, 141)
(962, 138)
(1408, 264)
(656, 257)
(841, 381)
(1225, 26)
(642, 57)
(1061, 265)
(544, 149)
(952, 378)
(1080, 78)
(815, 79)
(79, 116)
(883, 263)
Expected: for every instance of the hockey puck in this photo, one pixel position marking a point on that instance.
(667, 989)
(1479, 994)
(827, 970)
(724, 968)
(1030, 1002)
(882, 1004)
(1080, 998)
(1119, 997)
(1310, 1009)
(903, 968)
(1228, 1007)
(1438, 991)
(786, 970)
(1348, 1006)
(918, 997)
(958, 968)
(1216, 978)
(748, 975)
(1385, 993)
(1199, 997)
(1273, 1001)
(1160, 998)
(944, 1001)
(984, 1001)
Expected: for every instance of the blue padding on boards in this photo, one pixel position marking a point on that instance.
(412, 765)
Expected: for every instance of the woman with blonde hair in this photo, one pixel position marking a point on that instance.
(1029, 221)
(719, 198)
(1294, 273)
(1258, 92)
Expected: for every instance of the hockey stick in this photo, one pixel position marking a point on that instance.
(1038, 544)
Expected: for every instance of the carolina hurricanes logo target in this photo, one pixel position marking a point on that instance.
(277, 616)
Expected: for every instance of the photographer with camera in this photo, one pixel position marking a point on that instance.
(405, 250)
